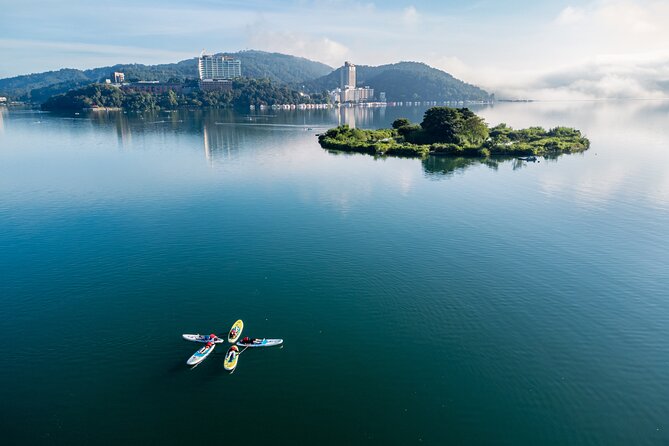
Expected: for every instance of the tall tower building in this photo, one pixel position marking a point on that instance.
(212, 67)
(347, 76)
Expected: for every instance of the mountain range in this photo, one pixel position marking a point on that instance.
(401, 81)
(405, 81)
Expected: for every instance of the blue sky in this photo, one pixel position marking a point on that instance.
(549, 49)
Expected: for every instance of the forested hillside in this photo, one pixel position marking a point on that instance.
(279, 68)
(407, 81)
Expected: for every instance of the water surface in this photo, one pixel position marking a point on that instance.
(444, 301)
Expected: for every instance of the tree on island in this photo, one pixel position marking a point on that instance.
(401, 122)
(454, 126)
(444, 125)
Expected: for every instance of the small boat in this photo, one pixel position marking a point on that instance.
(231, 358)
(528, 158)
(201, 354)
(203, 338)
(251, 343)
(235, 331)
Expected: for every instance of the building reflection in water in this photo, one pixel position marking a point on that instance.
(3, 110)
(366, 117)
(221, 138)
(123, 133)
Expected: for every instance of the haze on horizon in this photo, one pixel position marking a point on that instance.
(579, 49)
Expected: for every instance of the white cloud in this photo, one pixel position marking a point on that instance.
(589, 49)
(570, 16)
(618, 76)
(618, 50)
(91, 48)
(322, 49)
(88, 55)
(410, 16)
(630, 16)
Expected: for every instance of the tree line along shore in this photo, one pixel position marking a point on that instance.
(244, 92)
(454, 132)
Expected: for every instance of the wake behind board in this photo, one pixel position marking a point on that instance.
(201, 354)
(202, 338)
(235, 331)
(260, 343)
(231, 358)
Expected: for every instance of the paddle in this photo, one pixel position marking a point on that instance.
(238, 354)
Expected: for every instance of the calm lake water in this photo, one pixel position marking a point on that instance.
(439, 302)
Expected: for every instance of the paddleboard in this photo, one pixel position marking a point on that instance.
(201, 354)
(202, 338)
(261, 343)
(231, 358)
(235, 331)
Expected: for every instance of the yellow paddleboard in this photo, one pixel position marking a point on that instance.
(231, 358)
(235, 331)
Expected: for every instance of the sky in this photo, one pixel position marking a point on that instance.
(579, 49)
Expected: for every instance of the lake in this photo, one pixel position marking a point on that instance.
(438, 301)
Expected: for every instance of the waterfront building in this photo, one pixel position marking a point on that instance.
(155, 87)
(356, 94)
(347, 76)
(347, 91)
(218, 67)
(215, 85)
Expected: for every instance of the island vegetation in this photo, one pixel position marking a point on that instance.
(244, 92)
(454, 132)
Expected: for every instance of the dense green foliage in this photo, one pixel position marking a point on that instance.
(447, 125)
(407, 81)
(454, 132)
(535, 140)
(279, 68)
(245, 92)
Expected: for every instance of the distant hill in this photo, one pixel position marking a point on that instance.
(403, 81)
(277, 67)
(406, 81)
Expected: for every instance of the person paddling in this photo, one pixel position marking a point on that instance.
(248, 340)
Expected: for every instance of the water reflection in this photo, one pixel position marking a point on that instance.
(3, 110)
(360, 117)
(123, 133)
(224, 135)
(439, 167)
(436, 167)
(221, 141)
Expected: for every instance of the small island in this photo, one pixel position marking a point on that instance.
(454, 132)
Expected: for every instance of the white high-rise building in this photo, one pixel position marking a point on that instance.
(347, 76)
(215, 67)
(348, 92)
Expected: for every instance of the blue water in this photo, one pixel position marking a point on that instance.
(439, 301)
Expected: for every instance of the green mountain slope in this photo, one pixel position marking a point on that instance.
(280, 68)
(406, 81)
